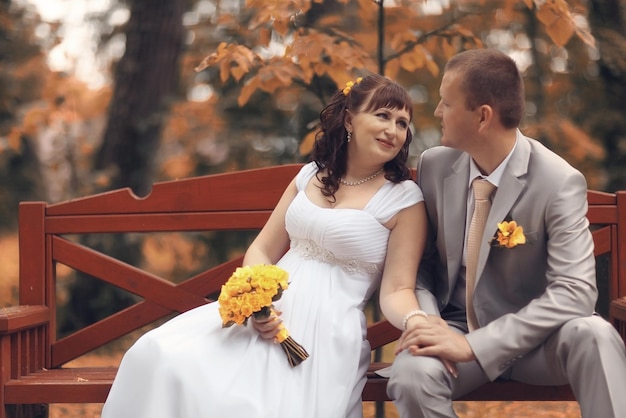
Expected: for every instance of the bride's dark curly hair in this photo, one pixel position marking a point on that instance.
(330, 148)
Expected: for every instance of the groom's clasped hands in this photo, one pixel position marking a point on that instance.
(433, 337)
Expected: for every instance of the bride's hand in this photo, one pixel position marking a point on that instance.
(267, 327)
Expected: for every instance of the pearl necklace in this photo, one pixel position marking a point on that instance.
(356, 183)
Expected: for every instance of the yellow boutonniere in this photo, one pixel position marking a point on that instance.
(508, 235)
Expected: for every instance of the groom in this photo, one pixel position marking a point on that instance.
(520, 306)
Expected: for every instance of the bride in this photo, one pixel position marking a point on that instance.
(350, 221)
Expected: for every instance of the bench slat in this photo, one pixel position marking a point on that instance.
(376, 390)
(125, 276)
(84, 385)
(157, 222)
(135, 317)
(253, 189)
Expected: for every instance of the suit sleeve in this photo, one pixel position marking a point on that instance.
(428, 273)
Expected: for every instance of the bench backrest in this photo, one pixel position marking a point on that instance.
(232, 201)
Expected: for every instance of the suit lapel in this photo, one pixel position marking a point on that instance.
(454, 214)
(511, 185)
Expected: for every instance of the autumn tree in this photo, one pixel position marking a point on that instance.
(21, 81)
(327, 43)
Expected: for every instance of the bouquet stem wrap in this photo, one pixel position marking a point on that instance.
(296, 354)
(250, 290)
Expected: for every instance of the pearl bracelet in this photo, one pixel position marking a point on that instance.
(416, 312)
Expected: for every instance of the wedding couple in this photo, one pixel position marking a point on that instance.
(506, 294)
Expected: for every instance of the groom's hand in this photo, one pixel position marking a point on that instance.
(267, 327)
(435, 338)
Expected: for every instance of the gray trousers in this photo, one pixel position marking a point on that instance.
(587, 353)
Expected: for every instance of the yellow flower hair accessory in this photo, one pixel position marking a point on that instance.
(508, 235)
(250, 290)
(350, 84)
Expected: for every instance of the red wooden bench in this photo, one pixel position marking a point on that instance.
(33, 371)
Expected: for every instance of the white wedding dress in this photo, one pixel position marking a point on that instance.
(191, 367)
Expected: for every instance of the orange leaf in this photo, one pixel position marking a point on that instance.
(432, 67)
(392, 68)
(561, 31)
(466, 32)
(224, 71)
(558, 21)
(247, 90)
(399, 40)
(238, 72)
(413, 60)
(283, 72)
(264, 36)
(222, 50)
(546, 15)
(559, 25)
(448, 49)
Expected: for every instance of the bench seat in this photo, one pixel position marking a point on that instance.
(92, 384)
(494, 391)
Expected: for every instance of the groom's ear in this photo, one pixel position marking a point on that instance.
(486, 115)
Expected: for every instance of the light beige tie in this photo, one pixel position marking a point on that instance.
(482, 203)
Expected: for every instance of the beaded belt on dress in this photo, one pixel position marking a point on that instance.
(310, 250)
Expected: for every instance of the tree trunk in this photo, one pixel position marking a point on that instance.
(607, 20)
(145, 81)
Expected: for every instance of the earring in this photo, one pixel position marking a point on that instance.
(349, 136)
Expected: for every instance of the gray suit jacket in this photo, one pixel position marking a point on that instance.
(522, 294)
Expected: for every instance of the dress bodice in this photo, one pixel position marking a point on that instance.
(354, 239)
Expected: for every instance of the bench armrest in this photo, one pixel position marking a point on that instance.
(17, 318)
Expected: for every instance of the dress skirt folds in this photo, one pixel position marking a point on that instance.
(191, 367)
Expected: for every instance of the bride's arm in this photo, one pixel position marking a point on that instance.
(404, 251)
(398, 300)
(267, 248)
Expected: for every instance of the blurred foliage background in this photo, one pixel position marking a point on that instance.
(96, 96)
(191, 87)
(100, 95)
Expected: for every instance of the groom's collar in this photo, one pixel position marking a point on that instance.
(496, 175)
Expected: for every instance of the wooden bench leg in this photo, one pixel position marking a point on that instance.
(27, 411)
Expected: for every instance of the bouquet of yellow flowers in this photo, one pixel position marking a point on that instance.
(250, 290)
